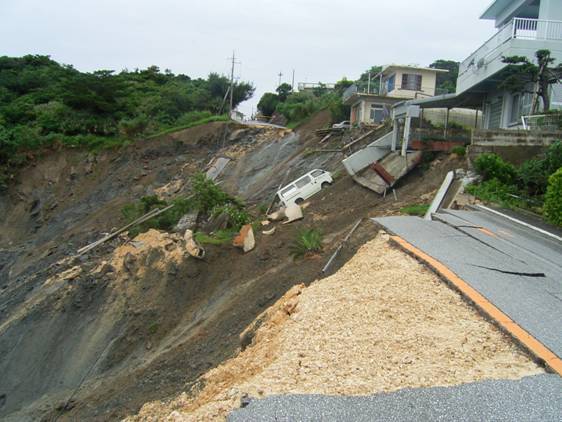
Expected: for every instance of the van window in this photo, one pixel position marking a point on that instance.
(317, 173)
(287, 190)
(303, 181)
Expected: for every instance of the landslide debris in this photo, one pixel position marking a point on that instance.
(381, 323)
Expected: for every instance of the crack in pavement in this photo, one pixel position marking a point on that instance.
(537, 275)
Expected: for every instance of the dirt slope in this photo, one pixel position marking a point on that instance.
(381, 323)
(116, 338)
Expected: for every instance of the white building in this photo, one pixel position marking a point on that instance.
(524, 26)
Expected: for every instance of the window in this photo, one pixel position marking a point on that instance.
(390, 83)
(303, 181)
(317, 173)
(515, 112)
(526, 103)
(411, 82)
(377, 113)
(288, 190)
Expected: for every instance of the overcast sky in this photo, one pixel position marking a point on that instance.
(322, 40)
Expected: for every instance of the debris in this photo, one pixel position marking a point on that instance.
(147, 216)
(265, 223)
(269, 232)
(340, 247)
(245, 238)
(277, 215)
(192, 247)
(293, 213)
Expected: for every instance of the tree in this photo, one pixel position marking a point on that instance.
(283, 91)
(342, 85)
(268, 103)
(363, 81)
(525, 76)
(446, 82)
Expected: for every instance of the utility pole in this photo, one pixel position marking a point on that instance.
(234, 62)
(369, 84)
(280, 74)
(293, 82)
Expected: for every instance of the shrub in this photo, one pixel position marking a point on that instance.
(553, 158)
(308, 241)
(494, 191)
(165, 221)
(207, 195)
(459, 150)
(533, 177)
(221, 237)
(553, 199)
(237, 216)
(415, 209)
(491, 166)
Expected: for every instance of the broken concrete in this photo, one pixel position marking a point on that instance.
(293, 213)
(245, 238)
(192, 247)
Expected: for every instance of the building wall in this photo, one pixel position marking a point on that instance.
(429, 81)
(550, 10)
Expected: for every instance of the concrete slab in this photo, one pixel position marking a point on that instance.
(529, 399)
(499, 266)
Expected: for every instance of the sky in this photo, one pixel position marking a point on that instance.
(323, 41)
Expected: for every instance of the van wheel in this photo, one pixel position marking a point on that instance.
(299, 201)
(325, 185)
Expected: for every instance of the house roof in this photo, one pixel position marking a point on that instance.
(464, 100)
(389, 68)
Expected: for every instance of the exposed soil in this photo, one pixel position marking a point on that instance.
(137, 321)
(381, 323)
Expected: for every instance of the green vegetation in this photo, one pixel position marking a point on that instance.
(44, 104)
(553, 198)
(446, 82)
(220, 237)
(523, 187)
(204, 121)
(415, 209)
(459, 150)
(308, 241)
(207, 198)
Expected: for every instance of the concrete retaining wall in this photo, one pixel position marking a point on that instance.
(515, 146)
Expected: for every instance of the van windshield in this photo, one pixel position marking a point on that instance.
(317, 173)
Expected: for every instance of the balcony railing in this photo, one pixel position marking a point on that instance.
(518, 28)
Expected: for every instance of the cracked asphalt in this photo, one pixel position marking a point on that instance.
(516, 268)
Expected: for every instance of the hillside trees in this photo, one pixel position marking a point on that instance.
(43, 102)
(446, 82)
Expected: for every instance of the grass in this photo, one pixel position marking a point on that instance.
(415, 209)
(307, 241)
(211, 119)
(221, 237)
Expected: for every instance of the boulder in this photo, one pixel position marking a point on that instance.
(245, 238)
(192, 247)
(277, 215)
(293, 213)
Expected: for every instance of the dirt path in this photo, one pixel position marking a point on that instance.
(381, 323)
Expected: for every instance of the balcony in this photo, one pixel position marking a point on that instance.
(521, 37)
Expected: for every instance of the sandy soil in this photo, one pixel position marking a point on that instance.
(381, 323)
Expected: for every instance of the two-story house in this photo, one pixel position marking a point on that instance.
(396, 83)
(523, 27)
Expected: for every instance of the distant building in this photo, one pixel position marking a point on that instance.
(308, 86)
(396, 83)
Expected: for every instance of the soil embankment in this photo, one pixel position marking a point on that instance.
(138, 320)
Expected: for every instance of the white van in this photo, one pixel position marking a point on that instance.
(304, 187)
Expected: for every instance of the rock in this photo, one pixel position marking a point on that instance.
(192, 247)
(293, 213)
(106, 268)
(265, 223)
(244, 400)
(245, 239)
(129, 262)
(188, 221)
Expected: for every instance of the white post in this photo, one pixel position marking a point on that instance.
(395, 134)
(406, 136)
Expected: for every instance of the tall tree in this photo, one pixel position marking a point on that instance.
(526, 76)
